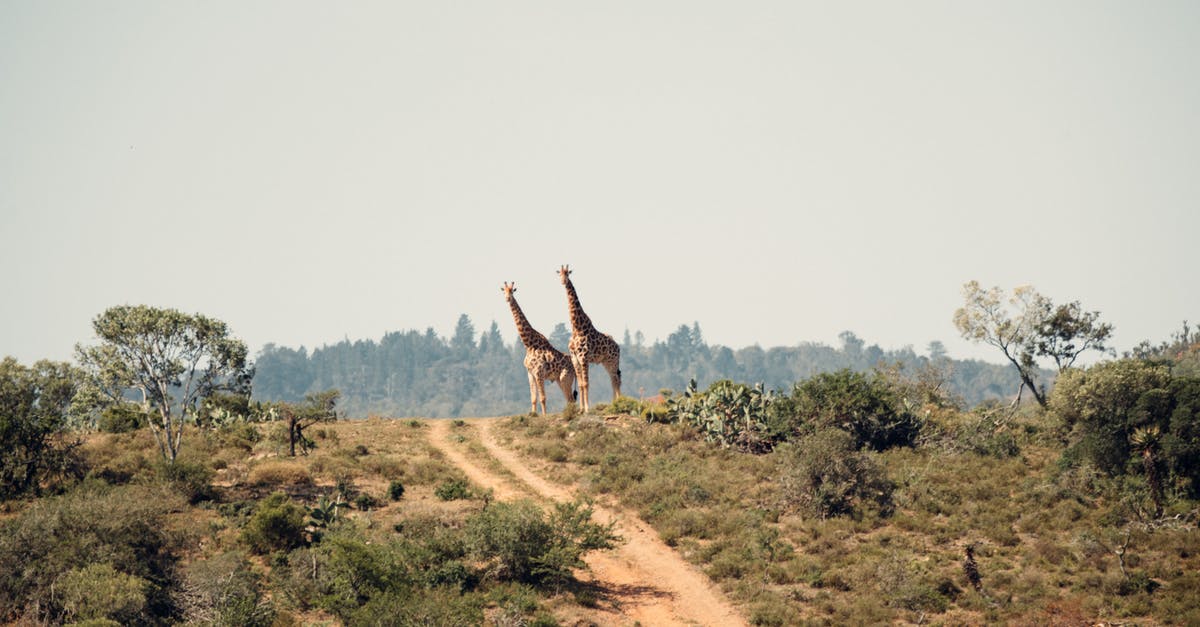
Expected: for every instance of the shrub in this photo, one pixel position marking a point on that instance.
(238, 434)
(825, 475)
(865, 407)
(395, 490)
(279, 473)
(277, 524)
(1132, 417)
(223, 591)
(121, 418)
(424, 607)
(453, 490)
(94, 524)
(191, 479)
(340, 574)
(517, 541)
(983, 431)
(365, 502)
(99, 591)
(626, 405)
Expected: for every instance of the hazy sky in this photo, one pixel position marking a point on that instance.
(778, 171)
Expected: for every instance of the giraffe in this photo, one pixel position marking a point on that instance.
(589, 345)
(542, 360)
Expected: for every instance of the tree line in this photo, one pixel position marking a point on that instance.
(415, 373)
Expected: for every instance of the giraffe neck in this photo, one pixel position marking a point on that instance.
(579, 319)
(529, 336)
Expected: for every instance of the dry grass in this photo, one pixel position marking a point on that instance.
(279, 473)
(1047, 551)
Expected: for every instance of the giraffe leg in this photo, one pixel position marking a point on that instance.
(541, 386)
(581, 375)
(614, 375)
(532, 393)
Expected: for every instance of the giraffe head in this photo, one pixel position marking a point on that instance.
(508, 290)
(564, 274)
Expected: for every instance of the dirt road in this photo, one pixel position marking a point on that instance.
(642, 580)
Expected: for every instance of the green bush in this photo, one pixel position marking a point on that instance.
(365, 502)
(1132, 417)
(517, 541)
(193, 480)
(99, 591)
(341, 574)
(238, 434)
(94, 524)
(826, 475)
(277, 524)
(625, 405)
(395, 490)
(864, 406)
(420, 607)
(453, 490)
(121, 418)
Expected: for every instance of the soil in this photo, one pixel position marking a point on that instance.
(641, 581)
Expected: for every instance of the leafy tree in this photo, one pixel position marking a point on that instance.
(172, 360)
(34, 405)
(1068, 331)
(319, 407)
(1028, 327)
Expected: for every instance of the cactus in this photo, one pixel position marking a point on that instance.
(730, 414)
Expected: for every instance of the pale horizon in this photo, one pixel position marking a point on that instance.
(777, 172)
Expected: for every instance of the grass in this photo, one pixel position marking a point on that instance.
(1048, 550)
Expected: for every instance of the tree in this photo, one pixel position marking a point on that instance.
(1069, 331)
(34, 404)
(463, 341)
(170, 359)
(1030, 326)
(560, 337)
(318, 407)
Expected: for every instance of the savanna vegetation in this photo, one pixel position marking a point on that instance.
(145, 486)
(879, 498)
(361, 530)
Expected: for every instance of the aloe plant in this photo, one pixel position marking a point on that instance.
(1146, 441)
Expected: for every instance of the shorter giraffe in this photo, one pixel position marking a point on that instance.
(542, 360)
(589, 345)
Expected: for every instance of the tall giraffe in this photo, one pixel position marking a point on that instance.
(589, 345)
(542, 360)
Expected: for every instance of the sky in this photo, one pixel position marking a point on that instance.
(778, 172)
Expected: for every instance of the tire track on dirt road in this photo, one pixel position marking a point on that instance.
(648, 581)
